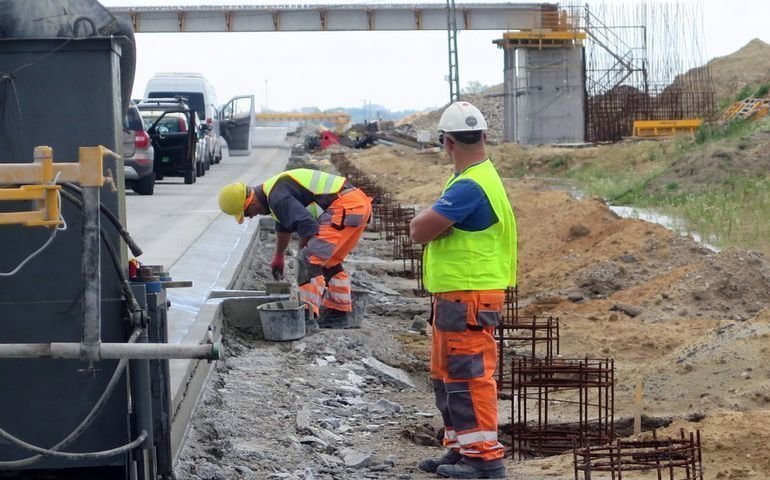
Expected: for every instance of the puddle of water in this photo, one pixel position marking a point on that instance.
(652, 216)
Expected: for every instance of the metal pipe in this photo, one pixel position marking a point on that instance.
(91, 269)
(111, 351)
(139, 371)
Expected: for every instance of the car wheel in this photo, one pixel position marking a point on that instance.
(189, 177)
(199, 170)
(146, 185)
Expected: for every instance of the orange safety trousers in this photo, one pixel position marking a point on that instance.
(340, 227)
(462, 366)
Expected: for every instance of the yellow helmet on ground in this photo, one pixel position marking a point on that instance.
(232, 199)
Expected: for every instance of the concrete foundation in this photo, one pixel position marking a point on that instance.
(544, 95)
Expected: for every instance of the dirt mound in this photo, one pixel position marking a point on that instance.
(748, 66)
(716, 163)
(490, 102)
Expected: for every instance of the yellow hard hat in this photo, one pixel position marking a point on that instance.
(232, 199)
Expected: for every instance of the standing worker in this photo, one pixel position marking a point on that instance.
(329, 215)
(469, 261)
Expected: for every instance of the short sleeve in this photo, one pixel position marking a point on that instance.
(460, 200)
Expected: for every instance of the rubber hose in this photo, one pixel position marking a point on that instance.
(95, 411)
(133, 304)
(135, 249)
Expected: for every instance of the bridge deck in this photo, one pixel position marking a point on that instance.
(354, 17)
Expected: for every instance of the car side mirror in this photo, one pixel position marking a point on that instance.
(162, 130)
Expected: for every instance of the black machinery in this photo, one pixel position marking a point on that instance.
(84, 382)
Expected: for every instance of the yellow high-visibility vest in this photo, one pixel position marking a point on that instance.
(481, 260)
(319, 183)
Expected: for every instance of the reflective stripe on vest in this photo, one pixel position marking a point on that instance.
(317, 182)
(481, 260)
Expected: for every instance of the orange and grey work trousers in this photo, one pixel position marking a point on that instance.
(462, 366)
(340, 227)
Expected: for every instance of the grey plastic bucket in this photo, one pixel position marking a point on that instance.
(282, 321)
(360, 300)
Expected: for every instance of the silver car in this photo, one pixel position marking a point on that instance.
(138, 154)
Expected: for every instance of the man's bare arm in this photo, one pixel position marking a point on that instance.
(428, 225)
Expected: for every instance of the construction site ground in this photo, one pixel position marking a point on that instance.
(689, 322)
(692, 324)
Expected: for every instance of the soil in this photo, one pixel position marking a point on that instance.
(748, 66)
(690, 323)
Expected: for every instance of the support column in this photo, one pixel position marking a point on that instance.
(544, 87)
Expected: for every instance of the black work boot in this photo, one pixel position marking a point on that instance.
(331, 318)
(466, 468)
(431, 464)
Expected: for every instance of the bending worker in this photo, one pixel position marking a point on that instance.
(469, 261)
(329, 215)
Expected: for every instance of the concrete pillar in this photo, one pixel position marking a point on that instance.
(544, 95)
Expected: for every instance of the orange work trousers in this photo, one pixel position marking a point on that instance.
(340, 227)
(462, 366)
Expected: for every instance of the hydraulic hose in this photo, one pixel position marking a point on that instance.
(135, 250)
(77, 456)
(42, 452)
(124, 285)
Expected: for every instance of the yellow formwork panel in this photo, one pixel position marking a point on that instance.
(544, 35)
(665, 128)
(542, 38)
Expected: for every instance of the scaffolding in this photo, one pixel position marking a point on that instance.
(644, 61)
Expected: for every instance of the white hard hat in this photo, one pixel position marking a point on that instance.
(461, 117)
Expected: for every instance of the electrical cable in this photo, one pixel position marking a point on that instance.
(37, 252)
(98, 406)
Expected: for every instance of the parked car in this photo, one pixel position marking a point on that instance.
(171, 124)
(138, 153)
(200, 95)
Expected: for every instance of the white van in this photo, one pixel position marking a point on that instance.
(201, 97)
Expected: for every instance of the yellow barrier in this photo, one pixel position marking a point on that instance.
(338, 118)
(37, 182)
(665, 128)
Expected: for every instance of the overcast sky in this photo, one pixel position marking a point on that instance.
(401, 70)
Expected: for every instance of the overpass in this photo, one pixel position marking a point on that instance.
(333, 17)
(543, 61)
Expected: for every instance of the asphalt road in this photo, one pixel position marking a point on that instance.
(167, 223)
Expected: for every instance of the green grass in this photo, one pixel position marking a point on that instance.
(735, 214)
(762, 90)
(624, 186)
(712, 132)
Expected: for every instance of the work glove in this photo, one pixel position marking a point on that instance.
(277, 265)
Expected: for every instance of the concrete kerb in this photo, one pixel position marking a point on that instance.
(188, 377)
